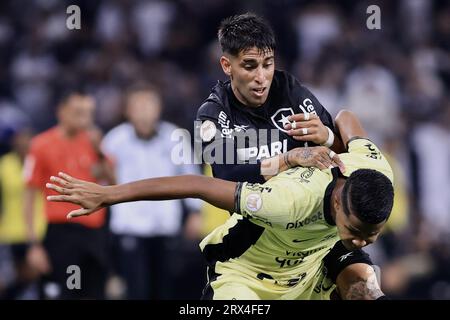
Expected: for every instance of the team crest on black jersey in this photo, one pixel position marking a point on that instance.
(280, 118)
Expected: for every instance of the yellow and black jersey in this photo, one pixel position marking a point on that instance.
(283, 229)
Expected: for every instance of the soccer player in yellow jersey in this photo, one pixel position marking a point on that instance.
(314, 223)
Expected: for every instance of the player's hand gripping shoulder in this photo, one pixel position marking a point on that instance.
(90, 196)
(319, 157)
(307, 127)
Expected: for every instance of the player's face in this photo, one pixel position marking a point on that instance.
(143, 111)
(251, 75)
(354, 233)
(78, 112)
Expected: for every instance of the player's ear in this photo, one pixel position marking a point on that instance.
(226, 65)
(337, 202)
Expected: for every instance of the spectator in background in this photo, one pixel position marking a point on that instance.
(432, 146)
(141, 148)
(316, 25)
(372, 93)
(11, 118)
(68, 146)
(12, 223)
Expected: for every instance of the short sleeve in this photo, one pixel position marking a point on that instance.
(276, 203)
(370, 156)
(213, 128)
(34, 171)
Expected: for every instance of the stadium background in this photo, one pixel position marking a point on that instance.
(396, 79)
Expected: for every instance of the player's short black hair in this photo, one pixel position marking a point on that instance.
(369, 195)
(245, 31)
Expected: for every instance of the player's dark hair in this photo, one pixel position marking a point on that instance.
(63, 95)
(245, 31)
(369, 195)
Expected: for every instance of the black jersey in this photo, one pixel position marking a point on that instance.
(224, 119)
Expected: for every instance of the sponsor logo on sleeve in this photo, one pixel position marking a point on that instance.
(207, 130)
(373, 152)
(307, 106)
(253, 202)
(224, 123)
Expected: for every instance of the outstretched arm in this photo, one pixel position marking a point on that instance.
(91, 196)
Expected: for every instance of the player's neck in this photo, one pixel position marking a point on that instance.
(67, 132)
(145, 136)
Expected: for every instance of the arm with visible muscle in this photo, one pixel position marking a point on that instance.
(349, 127)
(91, 196)
(358, 282)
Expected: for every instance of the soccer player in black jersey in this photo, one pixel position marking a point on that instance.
(271, 103)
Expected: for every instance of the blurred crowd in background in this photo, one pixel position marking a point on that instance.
(396, 79)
